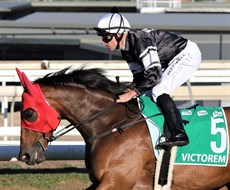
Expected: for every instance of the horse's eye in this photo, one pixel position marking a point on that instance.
(30, 115)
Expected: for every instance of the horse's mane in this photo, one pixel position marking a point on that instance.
(92, 78)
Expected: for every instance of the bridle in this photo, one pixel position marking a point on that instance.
(113, 129)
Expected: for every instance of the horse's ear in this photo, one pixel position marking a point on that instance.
(20, 77)
(29, 86)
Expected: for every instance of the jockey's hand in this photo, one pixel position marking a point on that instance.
(127, 96)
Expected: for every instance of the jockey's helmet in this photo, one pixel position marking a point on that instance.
(112, 23)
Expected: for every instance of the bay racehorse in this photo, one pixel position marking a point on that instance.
(117, 158)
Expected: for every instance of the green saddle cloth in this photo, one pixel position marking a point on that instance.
(206, 128)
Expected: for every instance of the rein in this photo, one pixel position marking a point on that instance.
(68, 128)
(119, 128)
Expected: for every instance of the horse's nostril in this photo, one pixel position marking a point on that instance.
(25, 157)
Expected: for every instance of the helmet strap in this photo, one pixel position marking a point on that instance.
(119, 40)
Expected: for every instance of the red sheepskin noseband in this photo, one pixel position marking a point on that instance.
(47, 117)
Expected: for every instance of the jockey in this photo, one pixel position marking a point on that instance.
(160, 61)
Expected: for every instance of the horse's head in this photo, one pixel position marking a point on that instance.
(38, 121)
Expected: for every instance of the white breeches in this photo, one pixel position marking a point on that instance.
(180, 69)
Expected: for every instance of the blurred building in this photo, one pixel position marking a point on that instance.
(60, 30)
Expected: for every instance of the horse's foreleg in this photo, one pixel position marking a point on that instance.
(122, 183)
(227, 186)
(91, 187)
(114, 183)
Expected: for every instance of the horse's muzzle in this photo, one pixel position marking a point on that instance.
(32, 159)
(24, 158)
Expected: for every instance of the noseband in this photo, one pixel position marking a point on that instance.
(41, 141)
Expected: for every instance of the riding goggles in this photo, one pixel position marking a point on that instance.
(107, 38)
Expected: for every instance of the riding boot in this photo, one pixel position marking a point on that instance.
(173, 121)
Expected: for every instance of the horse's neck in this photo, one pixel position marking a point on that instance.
(78, 105)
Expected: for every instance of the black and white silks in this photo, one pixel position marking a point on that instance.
(148, 53)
